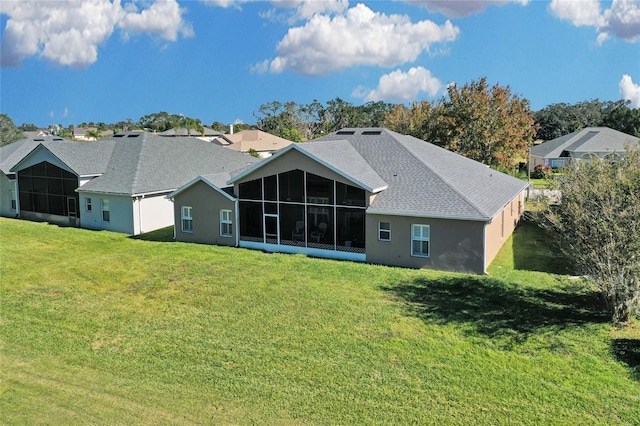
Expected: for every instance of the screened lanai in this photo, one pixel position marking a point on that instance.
(300, 211)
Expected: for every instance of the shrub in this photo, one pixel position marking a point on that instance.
(541, 171)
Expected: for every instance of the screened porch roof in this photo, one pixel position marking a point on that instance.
(339, 156)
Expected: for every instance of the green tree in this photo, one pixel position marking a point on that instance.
(597, 227)
(8, 131)
(414, 121)
(560, 119)
(488, 124)
(94, 134)
(28, 127)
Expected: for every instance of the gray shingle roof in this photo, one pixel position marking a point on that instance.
(84, 158)
(426, 180)
(587, 140)
(145, 163)
(341, 156)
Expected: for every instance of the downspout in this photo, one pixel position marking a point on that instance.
(237, 222)
(484, 248)
(15, 191)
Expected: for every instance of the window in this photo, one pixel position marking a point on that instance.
(384, 231)
(226, 223)
(106, 217)
(88, 204)
(12, 194)
(420, 240)
(187, 219)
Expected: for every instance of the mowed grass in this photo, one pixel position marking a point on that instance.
(101, 328)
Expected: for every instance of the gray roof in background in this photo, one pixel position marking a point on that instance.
(84, 158)
(587, 140)
(183, 131)
(147, 163)
(426, 180)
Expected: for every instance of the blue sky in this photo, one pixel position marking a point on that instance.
(72, 61)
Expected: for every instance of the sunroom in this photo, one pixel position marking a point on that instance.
(296, 211)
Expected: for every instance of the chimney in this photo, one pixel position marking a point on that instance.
(230, 129)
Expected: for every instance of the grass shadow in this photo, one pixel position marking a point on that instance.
(496, 308)
(159, 235)
(535, 250)
(627, 351)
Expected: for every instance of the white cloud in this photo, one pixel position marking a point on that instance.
(401, 86)
(459, 9)
(69, 32)
(630, 91)
(358, 37)
(621, 20)
(297, 9)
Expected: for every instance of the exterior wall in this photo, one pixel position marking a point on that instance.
(120, 212)
(206, 204)
(290, 161)
(455, 245)
(502, 226)
(6, 187)
(151, 213)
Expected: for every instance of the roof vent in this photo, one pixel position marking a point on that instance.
(372, 132)
(345, 132)
(118, 136)
(57, 139)
(133, 135)
(38, 140)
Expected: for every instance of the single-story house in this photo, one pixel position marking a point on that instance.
(205, 134)
(117, 184)
(582, 145)
(265, 144)
(362, 194)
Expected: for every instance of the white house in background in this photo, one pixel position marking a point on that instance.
(117, 184)
(582, 145)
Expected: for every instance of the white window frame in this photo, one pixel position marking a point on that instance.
(384, 233)
(420, 234)
(226, 223)
(104, 203)
(186, 219)
(88, 206)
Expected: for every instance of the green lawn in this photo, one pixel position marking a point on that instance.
(100, 328)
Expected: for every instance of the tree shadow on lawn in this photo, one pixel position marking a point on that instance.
(627, 351)
(535, 250)
(496, 308)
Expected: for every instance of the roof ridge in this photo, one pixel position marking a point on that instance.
(395, 135)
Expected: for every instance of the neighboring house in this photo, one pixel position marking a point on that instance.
(40, 177)
(265, 144)
(85, 133)
(116, 184)
(205, 134)
(582, 145)
(358, 194)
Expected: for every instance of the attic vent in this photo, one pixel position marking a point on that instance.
(133, 135)
(118, 136)
(372, 132)
(346, 132)
(39, 140)
(57, 139)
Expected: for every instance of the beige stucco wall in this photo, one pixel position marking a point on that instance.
(120, 212)
(455, 245)
(502, 226)
(206, 204)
